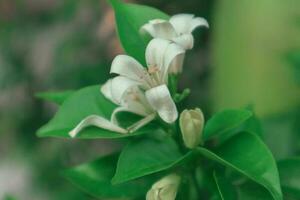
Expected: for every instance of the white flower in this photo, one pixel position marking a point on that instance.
(139, 90)
(178, 30)
(132, 100)
(166, 188)
(153, 79)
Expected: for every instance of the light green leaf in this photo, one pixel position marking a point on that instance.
(225, 121)
(147, 156)
(225, 188)
(79, 105)
(94, 178)
(252, 125)
(55, 97)
(129, 19)
(289, 171)
(248, 155)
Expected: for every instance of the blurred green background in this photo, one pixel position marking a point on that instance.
(249, 56)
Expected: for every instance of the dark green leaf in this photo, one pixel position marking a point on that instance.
(225, 188)
(224, 121)
(55, 97)
(79, 105)
(95, 179)
(251, 191)
(147, 156)
(289, 172)
(247, 154)
(129, 19)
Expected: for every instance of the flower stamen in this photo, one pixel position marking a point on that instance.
(154, 73)
(153, 70)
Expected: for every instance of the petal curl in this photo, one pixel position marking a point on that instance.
(120, 85)
(161, 101)
(129, 67)
(198, 22)
(98, 121)
(186, 23)
(186, 41)
(141, 123)
(106, 90)
(137, 110)
(159, 28)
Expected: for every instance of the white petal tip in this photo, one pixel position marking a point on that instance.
(205, 24)
(72, 134)
(199, 22)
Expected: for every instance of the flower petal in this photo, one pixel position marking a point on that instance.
(186, 23)
(133, 101)
(185, 40)
(141, 123)
(161, 101)
(155, 52)
(161, 53)
(139, 110)
(159, 28)
(198, 22)
(127, 66)
(119, 86)
(107, 92)
(98, 121)
(176, 64)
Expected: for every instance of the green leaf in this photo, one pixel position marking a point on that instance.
(129, 19)
(55, 97)
(147, 156)
(94, 178)
(251, 191)
(252, 125)
(225, 188)
(224, 121)
(79, 105)
(248, 155)
(289, 171)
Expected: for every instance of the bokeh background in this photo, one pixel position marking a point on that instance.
(249, 56)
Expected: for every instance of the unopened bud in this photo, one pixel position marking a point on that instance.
(166, 188)
(191, 125)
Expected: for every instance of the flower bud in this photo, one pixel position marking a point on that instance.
(191, 125)
(166, 188)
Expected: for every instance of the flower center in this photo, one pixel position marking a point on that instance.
(154, 73)
(133, 95)
(153, 70)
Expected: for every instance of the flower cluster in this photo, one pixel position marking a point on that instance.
(144, 90)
